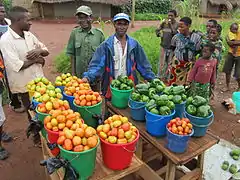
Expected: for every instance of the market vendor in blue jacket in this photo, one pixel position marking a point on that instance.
(118, 55)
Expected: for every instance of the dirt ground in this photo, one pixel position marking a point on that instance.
(24, 161)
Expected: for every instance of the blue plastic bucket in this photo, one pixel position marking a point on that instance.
(35, 103)
(200, 124)
(61, 87)
(156, 124)
(236, 100)
(137, 111)
(70, 100)
(177, 143)
(179, 108)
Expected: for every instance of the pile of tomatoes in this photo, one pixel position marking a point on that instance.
(180, 126)
(53, 104)
(117, 130)
(87, 98)
(81, 139)
(75, 85)
(59, 120)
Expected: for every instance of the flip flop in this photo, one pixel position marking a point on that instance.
(3, 154)
(6, 137)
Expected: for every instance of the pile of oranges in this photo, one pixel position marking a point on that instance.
(53, 104)
(61, 120)
(75, 85)
(79, 140)
(117, 130)
(180, 126)
(87, 98)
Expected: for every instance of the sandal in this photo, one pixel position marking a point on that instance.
(3, 154)
(6, 137)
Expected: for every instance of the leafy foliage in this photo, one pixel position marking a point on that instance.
(149, 6)
(149, 16)
(62, 63)
(7, 4)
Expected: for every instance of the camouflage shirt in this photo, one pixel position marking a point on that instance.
(82, 45)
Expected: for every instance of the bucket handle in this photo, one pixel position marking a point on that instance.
(135, 107)
(154, 120)
(203, 126)
(100, 121)
(130, 151)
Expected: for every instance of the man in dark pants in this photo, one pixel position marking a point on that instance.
(23, 55)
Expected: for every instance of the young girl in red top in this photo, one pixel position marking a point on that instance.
(203, 75)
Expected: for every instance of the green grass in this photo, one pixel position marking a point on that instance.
(149, 17)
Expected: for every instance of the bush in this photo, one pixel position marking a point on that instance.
(149, 6)
(7, 4)
(62, 63)
(149, 17)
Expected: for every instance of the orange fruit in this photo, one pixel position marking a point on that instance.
(69, 124)
(74, 126)
(76, 140)
(86, 148)
(47, 119)
(61, 126)
(116, 117)
(78, 148)
(79, 132)
(61, 140)
(83, 102)
(49, 125)
(68, 144)
(92, 142)
(94, 102)
(106, 128)
(84, 141)
(61, 119)
(55, 129)
(89, 103)
(61, 133)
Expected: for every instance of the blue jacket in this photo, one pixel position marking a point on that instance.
(102, 64)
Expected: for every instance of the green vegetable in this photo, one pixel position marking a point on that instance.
(115, 83)
(191, 109)
(135, 96)
(151, 104)
(151, 92)
(177, 99)
(123, 79)
(203, 111)
(155, 82)
(123, 87)
(162, 100)
(184, 97)
(156, 97)
(235, 152)
(235, 157)
(154, 111)
(171, 105)
(199, 101)
(145, 98)
(159, 88)
(236, 175)
(130, 83)
(225, 165)
(142, 86)
(164, 110)
(168, 90)
(170, 97)
(233, 169)
(189, 100)
(178, 90)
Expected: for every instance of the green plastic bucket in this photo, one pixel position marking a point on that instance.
(87, 113)
(41, 117)
(82, 162)
(120, 97)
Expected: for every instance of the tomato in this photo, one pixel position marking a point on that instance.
(112, 139)
(180, 133)
(173, 121)
(68, 144)
(169, 125)
(186, 130)
(187, 120)
(99, 128)
(92, 142)
(117, 123)
(122, 141)
(114, 132)
(178, 119)
(189, 125)
(120, 133)
(78, 148)
(126, 126)
(180, 128)
(76, 140)
(61, 140)
(132, 138)
(128, 134)
(184, 124)
(179, 123)
(106, 128)
(170, 128)
(103, 135)
(174, 129)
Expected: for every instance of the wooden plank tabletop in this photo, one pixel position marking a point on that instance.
(196, 146)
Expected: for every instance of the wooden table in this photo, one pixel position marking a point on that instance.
(101, 172)
(196, 148)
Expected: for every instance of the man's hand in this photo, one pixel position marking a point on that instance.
(85, 80)
(40, 60)
(33, 54)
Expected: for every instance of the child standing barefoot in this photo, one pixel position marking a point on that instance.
(203, 75)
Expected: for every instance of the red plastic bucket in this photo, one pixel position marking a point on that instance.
(52, 137)
(118, 156)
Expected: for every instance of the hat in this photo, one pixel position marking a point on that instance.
(121, 16)
(85, 10)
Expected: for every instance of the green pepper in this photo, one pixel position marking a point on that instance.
(130, 83)
(162, 100)
(171, 105)
(168, 90)
(156, 97)
(225, 165)
(170, 97)
(178, 90)
(123, 87)
(235, 152)
(159, 88)
(164, 110)
(233, 169)
(145, 98)
(154, 111)
(203, 111)
(189, 100)
(123, 79)
(191, 109)
(155, 82)
(151, 92)
(150, 103)
(142, 86)
(199, 101)
(115, 83)
(143, 91)
(184, 97)
(128, 88)
(135, 96)
(177, 99)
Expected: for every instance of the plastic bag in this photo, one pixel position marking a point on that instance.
(34, 127)
(53, 164)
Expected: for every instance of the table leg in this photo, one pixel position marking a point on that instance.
(171, 170)
(200, 162)
(139, 148)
